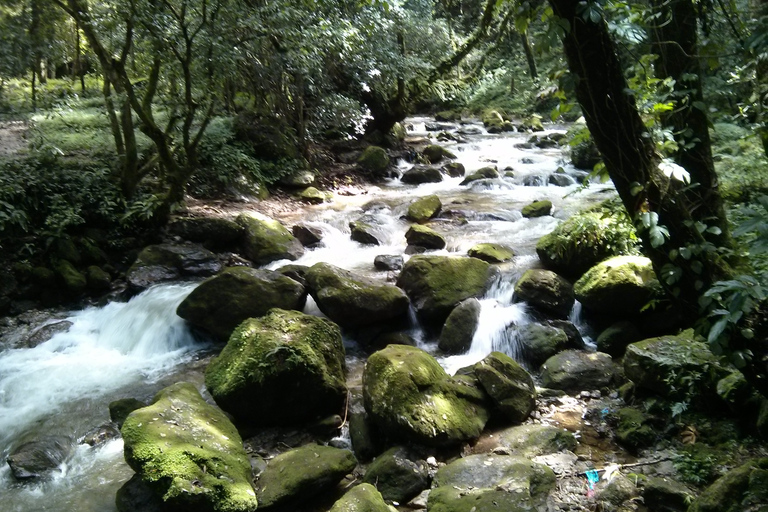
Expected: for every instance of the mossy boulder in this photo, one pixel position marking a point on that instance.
(532, 123)
(374, 160)
(492, 253)
(121, 408)
(266, 240)
(615, 339)
(619, 286)
(664, 494)
(539, 342)
(419, 174)
(460, 326)
(537, 209)
(493, 121)
(223, 302)
(510, 387)
(424, 209)
(577, 370)
(437, 284)
(585, 155)
(170, 262)
(362, 498)
(408, 395)
(634, 430)
(734, 390)
(490, 483)
(294, 476)
(353, 300)
(535, 439)
(314, 196)
(98, 279)
(398, 475)
(453, 169)
(484, 173)
(283, 368)
(545, 291)
(212, 232)
(364, 232)
(743, 488)
(189, 453)
(74, 281)
(435, 153)
(423, 236)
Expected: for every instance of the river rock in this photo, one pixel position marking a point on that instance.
(435, 153)
(510, 387)
(634, 429)
(388, 262)
(135, 495)
(74, 281)
(121, 408)
(490, 483)
(363, 232)
(664, 494)
(539, 342)
(189, 453)
(314, 196)
(492, 121)
(169, 262)
(266, 240)
(615, 339)
(352, 300)
(419, 174)
(537, 209)
(294, 476)
(213, 232)
(616, 492)
(492, 253)
(398, 475)
(39, 458)
(619, 286)
(365, 440)
(545, 291)
(97, 278)
(424, 208)
(362, 498)
(577, 370)
(422, 236)
(46, 332)
(453, 169)
(97, 436)
(309, 236)
(484, 173)
(437, 284)
(460, 326)
(222, 302)
(281, 369)
(374, 160)
(560, 180)
(740, 489)
(585, 155)
(408, 395)
(534, 440)
(298, 179)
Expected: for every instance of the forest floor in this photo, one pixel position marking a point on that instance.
(12, 137)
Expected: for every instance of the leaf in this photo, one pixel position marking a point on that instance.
(717, 329)
(635, 188)
(673, 171)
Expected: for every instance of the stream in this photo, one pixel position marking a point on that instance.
(64, 385)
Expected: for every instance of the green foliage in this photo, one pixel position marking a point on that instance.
(698, 465)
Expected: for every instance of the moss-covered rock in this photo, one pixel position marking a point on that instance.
(362, 498)
(545, 291)
(212, 232)
(314, 196)
(535, 439)
(408, 395)
(510, 387)
(74, 281)
(352, 300)
(539, 342)
(664, 494)
(619, 286)
(615, 339)
(437, 284)
(633, 430)
(486, 483)
(266, 240)
(223, 302)
(169, 262)
(374, 159)
(460, 326)
(741, 489)
(419, 174)
(484, 173)
(424, 209)
(398, 475)
(423, 236)
(585, 155)
(120, 409)
(577, 370)
(492, 253)
(493, 121)
(295, 476)
(537, 209)
(453, 169)
(98, 279)
(189, 453)
(435, 153)
(283, 368)
(364, 232)
(734, 390)
(362, 435)
(532, 123)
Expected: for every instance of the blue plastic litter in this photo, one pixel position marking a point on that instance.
(592, 478)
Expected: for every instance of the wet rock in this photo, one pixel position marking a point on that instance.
(576, 370)
(74, 281)
(266, 240)
(510, 387)
(169, 262)
(424, 209)
(492, 253)
(298, 179)
(188, 452)
(571, 331)
(422, 236)
(539, 342)
(281, 369)
(615, 339)
(460, 326)
(493, 121)
(560, 180)
(532, 123)
(537, 209)
(438, 127)
(136, 495)
(352, 300)
(364, 440)
(120, 409)
(363, 232)
(222, 302)
(634, 430)
(734, 390)
(585, 155)
(743, 488)
(388, 262)
(619, 286)
(298, 474)
(448, 115)
(435, 153)
(39, 458)
(483, 173)
(362, 498)
(616, 492)
(408, 395)
(535, 440)
(213, 232)
(398, 475)
(101, 434)
(374, 160)
(97, 278)
(664, 494)
(533, 180)
(46, 332)
(419, 174)
(314, 196)
(296, 272)
(437, 284)
(470, 130)
(309, 236)
(545, 291)
(453, 169)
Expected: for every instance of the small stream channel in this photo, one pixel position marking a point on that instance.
(63, 386)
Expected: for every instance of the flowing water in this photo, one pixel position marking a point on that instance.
(64, 385)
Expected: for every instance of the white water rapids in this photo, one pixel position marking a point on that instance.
(64, 385)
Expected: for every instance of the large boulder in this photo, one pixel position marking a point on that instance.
(408, 395)
(453, 169)
(212, 232)
(619, 286)
(364, 232)
(490, 483)
(362, 498)
(460, 326)
(266, 240)
(419, 174)
(423, 236)
(40, 458)
(374, 160)
(545, 291)
(424, 208)
(74, 281)
(510, 387)
(492, 253)
(577, 370)
(741, 489)
(223, 302)
(309, 236)
(484, 173)
(169, 262)
(352, 300)
(398, 475)
(435, 153)
(537, 209)
(539, 342)
(189, 453)
(634, 429)
(615, 339)
(437, 284)
(533, 440)
(294, 476)
(283, 368)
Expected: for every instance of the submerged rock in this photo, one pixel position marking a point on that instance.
(283, 368)
(266, 240)
(423, 236)
(453, 169)
(537, 209)
(484, 173)
(39, 458)
(619, 286)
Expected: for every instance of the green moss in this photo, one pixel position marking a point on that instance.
(362, 498)
(492, 253)
(435, 153)
(633, 430)
(424, 208)
(313, 195)
(534, 440)
(374, 159)
(621, 285)
(73, 280)
(537, 209)
(481, 174)
(424, 236)
(267, 240)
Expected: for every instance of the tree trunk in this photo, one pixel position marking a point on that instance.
(529, 54)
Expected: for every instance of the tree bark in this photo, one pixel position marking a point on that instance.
(529, 54)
